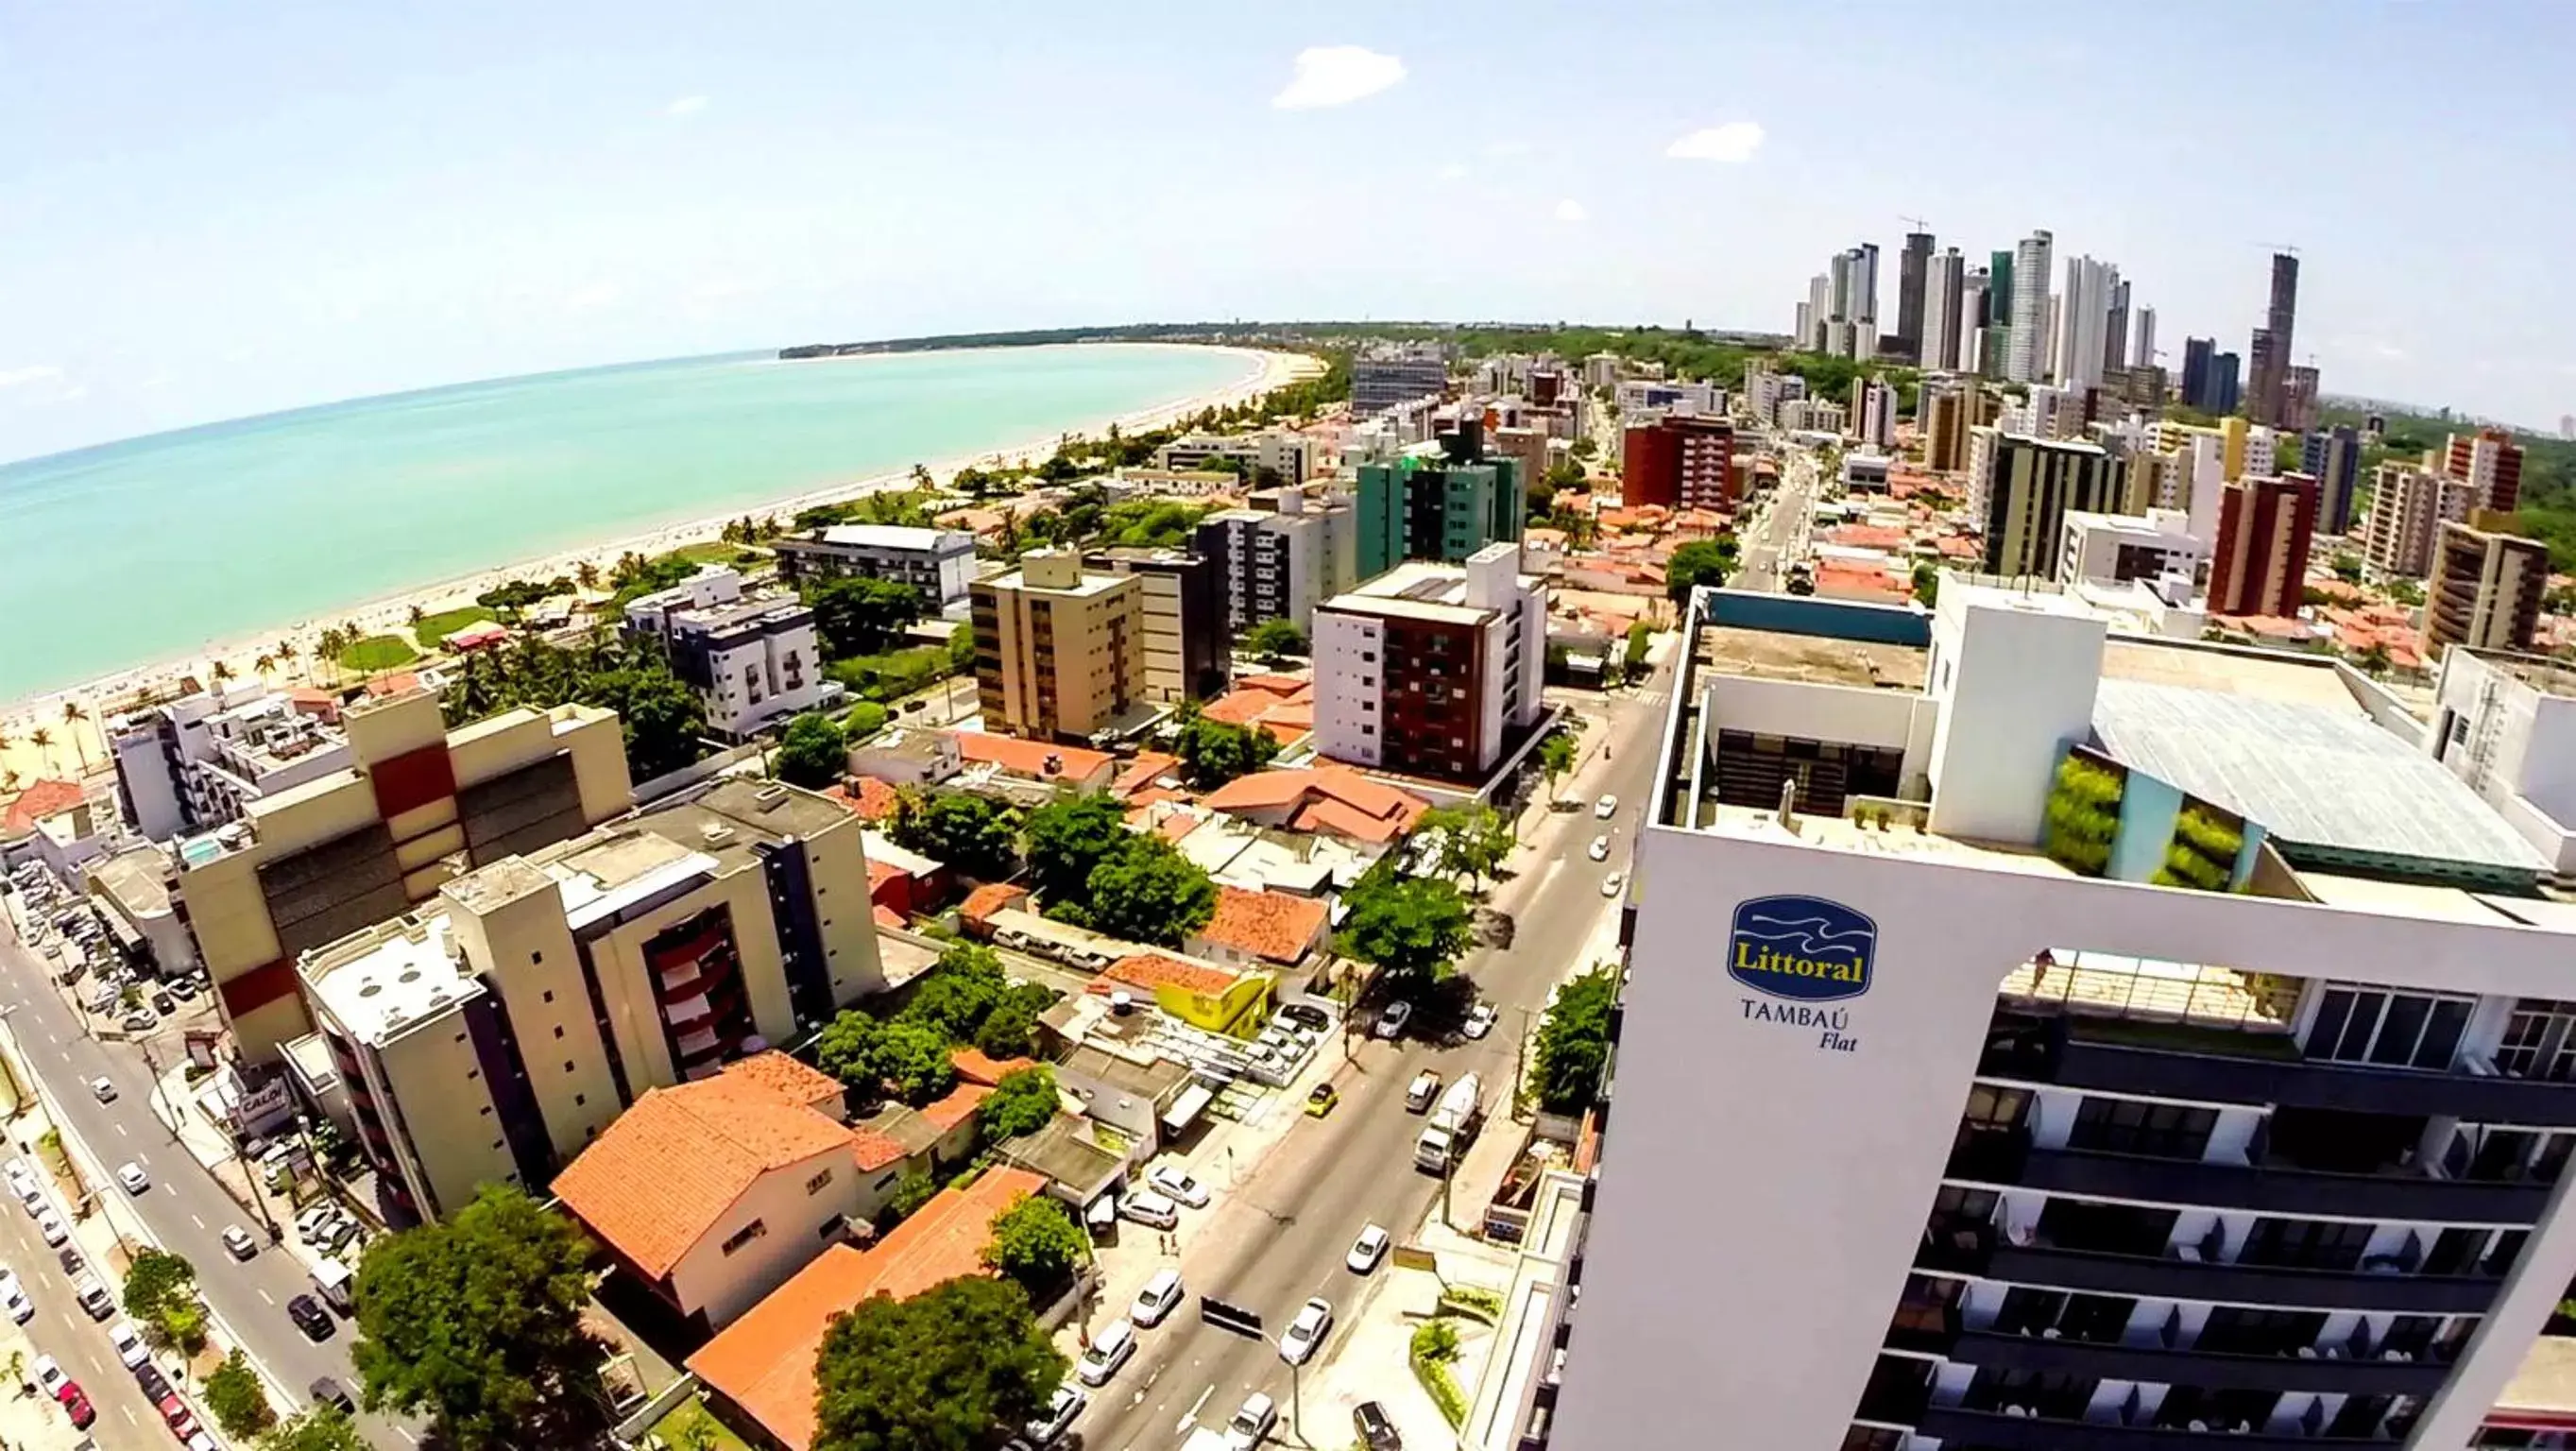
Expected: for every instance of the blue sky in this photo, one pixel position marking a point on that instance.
(216, 209)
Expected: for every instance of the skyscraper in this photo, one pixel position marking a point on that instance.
(1937, 338)
(2143, 355)
(2265, 529)
(1977, 332)
(2199, 355)
(2334, 456)
(2222, 384)
(2272, 341)
(2026, 286)
(2115, 334)
(1911, 284)
(2084, 321)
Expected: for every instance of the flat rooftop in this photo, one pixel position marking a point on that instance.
(895, 536)
(769, 811)
(391, 977)
(1774, 655)
(1838, 833)
(603, 877)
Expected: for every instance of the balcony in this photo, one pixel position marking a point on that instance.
(697, 1044)
(1997, 1431)
(2314, 1371)
(2268, 1185)
(2176, 1277)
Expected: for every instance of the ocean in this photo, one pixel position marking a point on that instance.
(153, 547)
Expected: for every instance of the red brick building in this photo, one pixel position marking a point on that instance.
(1681, 461)
(2265, 528)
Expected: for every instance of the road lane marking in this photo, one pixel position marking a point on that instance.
(271, 1299)
(199, 1223)
(1190, 1416)
(120, 1131)
(406, 1435)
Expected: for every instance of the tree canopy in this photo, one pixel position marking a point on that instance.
(1275, 642)
(977, 835)
(1146, 891)
(237, 1399)
(1010, 1030)
(161, 1294)
(1468, 839)
(476, 1321)
(321, 1428)
(1701, 561)
(912, 1058)
(961, 990)
(1069, 837)
(847, 1050)
(1410, 928)
(936, 1372)
(855, 615)
(1556, 756)
(1574, 1043)
(811, 752)
(1037, 1244)
(1021, 1103)
(1214, 752)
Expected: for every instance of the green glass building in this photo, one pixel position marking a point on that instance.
(1440, 501)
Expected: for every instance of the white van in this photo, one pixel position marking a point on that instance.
(1159, 1297)
(1113, 1347)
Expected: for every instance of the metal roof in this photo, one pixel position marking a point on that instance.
(2311, 774)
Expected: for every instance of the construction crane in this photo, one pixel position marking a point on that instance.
(1917, 223)
(2282, 247)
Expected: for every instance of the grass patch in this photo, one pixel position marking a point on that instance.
(708, 551)
(892, 675)
(433, 628)
(692, 1427)
(1473, 1301)
(1435, 1345)
(378, 652)
(2174, 1037)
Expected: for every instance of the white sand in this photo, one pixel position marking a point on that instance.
(78, 746)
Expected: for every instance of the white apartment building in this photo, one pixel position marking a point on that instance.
(1873, 419)
(2084, 322)
(2026, 353)
(1765, 392)
(2408, 507)
(1639, 395)
(2039, 1039)
(1432, 669)
(1280, 451)
(2506, 724)
(752, 661)
(195, 763)
(937, 562)
(2117, 548)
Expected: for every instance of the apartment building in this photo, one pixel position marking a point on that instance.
(1443, 500)
(937, 562)
(1272, 457)
(2485, 587)
(2333, 455)
(1765, 391)
(1387, 378)
(2266, 527)
(2020, 490)
(1274, 563)
(492, 1033)
(1432, 670)
(2117, 548)
(1188, 640)
(2489, 461)
(2407, 507)
(1680, 461)
(1948, 414)
(1873, 412)
(2128, 1043)
(751, 660)
(416, 805)
(194, 763)
(1060, 651)
(2506, 725)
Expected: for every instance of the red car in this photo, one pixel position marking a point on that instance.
(182, 1425)
(79, 1407)
(68, 1391)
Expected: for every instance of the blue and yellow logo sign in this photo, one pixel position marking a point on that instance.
(1804, 948)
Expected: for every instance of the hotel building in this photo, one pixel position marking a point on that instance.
(2035, 1039)
(937, 562)
(1432, 670)
(1060, 651)
(489, 1035)
(2484, 588)
(416, 805)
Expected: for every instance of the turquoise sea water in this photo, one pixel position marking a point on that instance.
(150, 548)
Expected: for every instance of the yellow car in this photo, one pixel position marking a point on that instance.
(1321, 1101)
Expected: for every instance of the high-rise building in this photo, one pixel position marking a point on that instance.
(2407, 508)
(2334, 456)
(2028, 487)
(192, 764)
(2143, 354)
(2489, 460)
(1059, 650)
(1977, 337)
(2191, 1086)
(1999, 290)
(2266, 526)
(1189, 639)
(1269, 564)
(1432, 669)
(2299, 399)
(1873, 412)
(1948, 415)
(2033, 263)
(2223, 384)
(1443, 500)
(1391, 377)
(1945, 276)
(2199, 357)
(2115, 332)
(1912, 287)
(2485, 587)
(1678, 460)
(752, 660)
(2093, 290)
(2268, 388)
(416, 804)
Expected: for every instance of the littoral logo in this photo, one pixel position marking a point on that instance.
(1802, 948)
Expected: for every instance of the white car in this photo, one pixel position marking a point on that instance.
(1611, 884)
(1314, 1320)
(133, 1178)
(1419, 1094)
(238, 1243)
(1113, 1347)
(1169, 1180)
(1251, 1423)
(129, 1345)
(1480, 1020)
(51, 1226)
(1057, 1418)
(1606, 807)
(48, 1373)
(102, 1089)
(1367, 1250)
(1600, 851)
(1151, 1209)
(1390, 1021)
(23, 1184)
(13, 1298)
(1160, 1297)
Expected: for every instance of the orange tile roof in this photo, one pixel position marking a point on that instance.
(990, 898)
(1273, 926)
(886, 917)
(1141, 772)
(1327, 799)
(958, 1106)
(1036, 760)
(393, 683)
(796, 1082)
(39, 801)
(872, 1150)
(973, 1066)
(764, 1362)
(664, 1173)
(871, 798)
(1154, 969)
(1277, 682)
(1866, 536)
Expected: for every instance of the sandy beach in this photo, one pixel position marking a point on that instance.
(73, 718)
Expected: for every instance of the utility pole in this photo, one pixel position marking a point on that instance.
(160, 1100)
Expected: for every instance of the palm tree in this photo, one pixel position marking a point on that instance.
(222, 672)
(587, 576)
(415, 615)
(287, 653)
(263, 664)
(75, 717)
(921, 476)
(43, 740)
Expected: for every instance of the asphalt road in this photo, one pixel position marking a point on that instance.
(64, 1331)
(1281, 1233)
(1768, 554)
(184, 1206)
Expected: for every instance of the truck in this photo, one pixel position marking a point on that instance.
(331, 1280)
(1453, 1125)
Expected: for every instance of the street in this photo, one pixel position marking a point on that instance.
(1781, 537)
(62, 1330)
(185, 1208)
(1280, 1234)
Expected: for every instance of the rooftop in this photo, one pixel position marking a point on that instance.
(1036, 760)
(1774, 655)
(1163, 969)
(384, 981)
(895, 536)
(1273, 926)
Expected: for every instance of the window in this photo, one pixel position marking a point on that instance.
(2397, 1030)
(1926, 1309)
(2305, 1244)
(2537, 1042)
(819, 1182)
(2241, 1330)
(535, 958)
(2137, 1126)
(579, 1099)
(1872, 1438)
(746, 1235)
(550, 995)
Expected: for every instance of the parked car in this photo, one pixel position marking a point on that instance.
(1307, 1015)
(141, 1020)
(312, 1220)
(1377, 1430)
(131, 1175)
(1161, 1295)
(1367, 1250)
(1611, 884)
(129, 1345)
(341, 1234)
(174, 1414)
(1419, 1094)
(155, 1385)
(1057, 1418)
(1606, 807)
(1391, 1018)
(1170, 1180)
(77, 1406)
(310, 1317)
(1321, 1101)
(51, 1226)
(1480, 1020)
(1113, 1347)
(49, 1376)
(186, 989)
(1314, 1321)
(13, 1298)
(102, 1089)
(1251, 1423)
(1600, 851)
(238, 1243)
(1151, 1209)
(329, 1392)
(94, 1299)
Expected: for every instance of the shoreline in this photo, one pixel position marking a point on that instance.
(389, 613)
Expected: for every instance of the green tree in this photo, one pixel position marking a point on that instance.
(1037, 1245)
(847, 1049)
(1214, 752)
(1565, 474)
(915, 1189)
(660, 714)
(811, 752)
(1010, 1030)
(161, 1293)
(1468, 839)
(239, 1402)
(961, 649)
(961, 990)
(1147, 891)
(1069, 837)
(1583, 447)
(1410, 928)
(864, 720)
(322, 1428)
(1927, 584)
(1021, 1103)
(1574, 1043)
(476, 1322)
(855, 615)
(2347, 567)
(1555, 757)
(977, 835)
(1701, 561)
(913, 1058)
(936, 1372)
(1276, 642)
(1641, 639)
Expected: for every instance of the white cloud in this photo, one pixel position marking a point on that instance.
(40, 373)
(1505, 150)
(1733, 142)
(685, 106)
(1454, 171)
(1570, 210)
(1336, 75)
(597, 294)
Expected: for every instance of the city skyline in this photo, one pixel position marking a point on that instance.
(312, 206)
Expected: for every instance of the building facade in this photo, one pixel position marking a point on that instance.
(1443, 501)
(1393, 377)
(1680, 461)
(752, 661)
(2268, 390)
(2118, 548)
(937, 562)
(1268, 565)
(1059, 652)
(2033, 263)
(1189, 640)
(2026, 487)
(2489, 461)
(2333, 456)
(2485, 588)
(1432, 670)
(2266, 526)
(2407, 509)
(195, 763)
